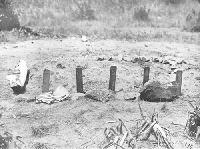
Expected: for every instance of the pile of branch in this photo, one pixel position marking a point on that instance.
(192, 127)
(121, 136)
(152, 127)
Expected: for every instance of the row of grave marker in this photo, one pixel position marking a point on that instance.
(112, 81)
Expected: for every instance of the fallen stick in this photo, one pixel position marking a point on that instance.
(157, 129)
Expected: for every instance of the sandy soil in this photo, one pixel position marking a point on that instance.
(80, 124)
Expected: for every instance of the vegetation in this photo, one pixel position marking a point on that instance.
(105, 18)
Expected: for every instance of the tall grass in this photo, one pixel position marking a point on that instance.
(106, 17)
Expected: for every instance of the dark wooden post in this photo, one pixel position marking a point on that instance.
(146, 75)
(179, 81)
(112, 81)
(79, 80)
(46, 81)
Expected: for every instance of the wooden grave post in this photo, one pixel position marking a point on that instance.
(179, 81)
(146, 75)
(112, 80)
(79, 80)
(46, 81)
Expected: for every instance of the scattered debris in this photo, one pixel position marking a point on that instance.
(127, 58)
(19, 77)
(197, 78)
(193, 123)
(131, 96)
(118, 136)
(152, 127)
(60, 66)
(60, 94)
(9, 140)
(84, 38)
(120, 57)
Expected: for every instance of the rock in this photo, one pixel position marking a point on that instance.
(120, 57)
(76, 96)
(148, 59)
(131, 96)
(155, 59)
(172, 62)
(154, 92)
(135, 59)
(166, 62)
(101, 58)
(142, 59)
(173, 67)
(197, 78)
(84, 38)
(127, 58)
(179, 61)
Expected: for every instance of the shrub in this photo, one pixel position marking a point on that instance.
(5, 3)
(173, 2)
(84, 10)
(192, 21)
(142, 14)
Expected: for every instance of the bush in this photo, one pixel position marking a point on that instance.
(5, 3)
(142, 14)
(173, 2)
(84, 10)
(192, 21)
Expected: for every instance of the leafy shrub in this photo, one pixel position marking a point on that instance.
(142, 14)
(5, 3)
(192, 21)
(84, 10)
(173, 2)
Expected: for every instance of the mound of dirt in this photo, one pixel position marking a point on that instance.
(155, 92)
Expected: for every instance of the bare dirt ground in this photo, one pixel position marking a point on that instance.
(80, 124)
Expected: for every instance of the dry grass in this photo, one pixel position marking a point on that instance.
(107, 19)
(43, 130)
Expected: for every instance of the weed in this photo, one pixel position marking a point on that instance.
(43, 130)
(141, 14)
(39, 145)
(84, 10)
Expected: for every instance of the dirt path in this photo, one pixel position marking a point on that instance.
(80, 124)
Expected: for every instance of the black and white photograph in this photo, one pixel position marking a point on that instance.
(99, 74)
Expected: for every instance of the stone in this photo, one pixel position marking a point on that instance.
(142, 58)
(197, 78)
(120, 57)
(101, 58)
(131, 96)
(135, 59)
(127, 58)
(166, 62)
(155, 59)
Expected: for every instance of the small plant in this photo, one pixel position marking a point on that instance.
(84, 10)
(173, 2)
(142, 14)
(192, 21)
(5, 3)
(43, 130)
